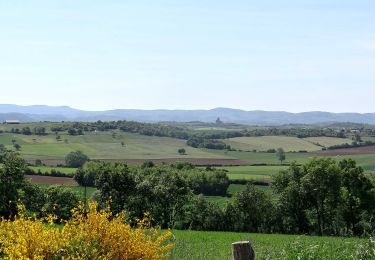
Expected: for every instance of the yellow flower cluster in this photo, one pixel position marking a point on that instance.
(90, 234)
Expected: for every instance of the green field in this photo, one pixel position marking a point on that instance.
(81, 191)
(252, 172)
(264, 143)
(233, 189)
(217, 246)
(263, 158)
(46, 169)
(368, 138)
(103, 146)
(218, 200)
(327, 141)
(366, 161)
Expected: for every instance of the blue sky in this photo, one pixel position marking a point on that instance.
(270, 55)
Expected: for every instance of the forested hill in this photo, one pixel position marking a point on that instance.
(64, 113)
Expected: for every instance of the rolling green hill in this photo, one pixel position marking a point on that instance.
(104, 145)
(264, 143)
(328, 141)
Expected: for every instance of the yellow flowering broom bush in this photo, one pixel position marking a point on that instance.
(88, 235)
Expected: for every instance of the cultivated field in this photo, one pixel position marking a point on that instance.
(264, 158)
(348, 151)
(44, 169)
(104, 146)
(328, 141)
(51, 180)
(264, 143)
(252, 172)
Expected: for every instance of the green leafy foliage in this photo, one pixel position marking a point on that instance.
(76, 159)
(11, 180)
(325, 197)
(55, 200)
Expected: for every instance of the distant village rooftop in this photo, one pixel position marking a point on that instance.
(11, 122)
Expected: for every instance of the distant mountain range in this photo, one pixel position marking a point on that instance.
(64, 113)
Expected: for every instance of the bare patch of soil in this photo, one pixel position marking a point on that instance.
(51, 180)
(348, 151)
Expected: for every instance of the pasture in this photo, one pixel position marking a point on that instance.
(217, 246)
(325, 141)
(366, 161)
(104, 145)
(264, 143)
(232, 190)
(252, 172)
(263, 158)
(46, 169)
(136, 148)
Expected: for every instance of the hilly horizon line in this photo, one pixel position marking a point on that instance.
(178, 109)
(36, 113)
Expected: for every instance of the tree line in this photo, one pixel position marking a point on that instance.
(210, 139)
(321, 197)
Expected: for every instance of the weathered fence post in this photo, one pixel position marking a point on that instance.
(242, 251)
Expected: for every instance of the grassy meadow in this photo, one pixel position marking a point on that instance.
(108, 145)
(46, 169)
(264, 143)
(217, 246)
(103, 145)
(262, 157)
(366, 161)
(327, 141)
(252, 172)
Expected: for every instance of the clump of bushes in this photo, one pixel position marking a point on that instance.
(352, 145)
(90, 234)
(53, 172)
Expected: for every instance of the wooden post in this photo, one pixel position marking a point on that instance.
(242, 251)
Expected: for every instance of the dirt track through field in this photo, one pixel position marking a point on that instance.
(51, 180)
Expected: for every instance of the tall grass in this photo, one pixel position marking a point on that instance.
(217, 245)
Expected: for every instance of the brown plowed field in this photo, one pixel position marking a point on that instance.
(195, 161)
(51, 180)
(348, 151)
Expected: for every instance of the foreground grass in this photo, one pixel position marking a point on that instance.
(217, 245)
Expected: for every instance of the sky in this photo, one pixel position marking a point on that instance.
(290, 55)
